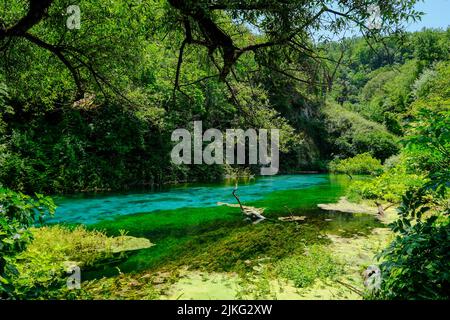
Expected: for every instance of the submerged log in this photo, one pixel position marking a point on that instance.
(128, 243)
(380, 209)
(256, 214)
(250, 212)
(292, 218)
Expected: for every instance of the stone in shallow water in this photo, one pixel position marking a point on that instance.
(372, 278)
(348, 207)
(128, 243)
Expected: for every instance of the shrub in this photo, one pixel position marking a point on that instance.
(416, 263)
(17, 213)
(360, 164)
(304, 269)
(389, 186)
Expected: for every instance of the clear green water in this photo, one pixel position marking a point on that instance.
(185, 222)
(90, 209)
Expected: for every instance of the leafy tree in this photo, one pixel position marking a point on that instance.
(349, 134)
(389, 93)
(389, 186)
(196, 23)
(430, 46)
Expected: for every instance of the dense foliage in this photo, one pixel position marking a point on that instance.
(17, 213)
(363, 164)
(415, 265)
(93, 109)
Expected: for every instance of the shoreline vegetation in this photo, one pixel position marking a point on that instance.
(343, 257)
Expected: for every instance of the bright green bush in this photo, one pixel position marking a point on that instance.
(360, 164)
(416, 264)
(389, 186)
(303, 270)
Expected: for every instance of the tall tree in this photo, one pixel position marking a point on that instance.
(219, 26)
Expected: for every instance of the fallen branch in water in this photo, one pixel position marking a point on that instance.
(292, 219)
(250, 212)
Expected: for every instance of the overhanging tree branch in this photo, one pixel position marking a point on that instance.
(58, 52)
(37, 10)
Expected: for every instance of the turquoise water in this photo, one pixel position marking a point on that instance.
(91, 209)
(184, 221)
